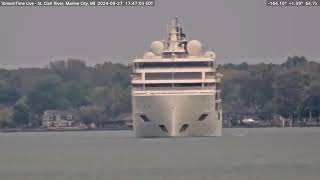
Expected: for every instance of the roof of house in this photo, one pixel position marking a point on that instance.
(57, 112)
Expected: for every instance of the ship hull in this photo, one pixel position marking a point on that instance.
(176, 116)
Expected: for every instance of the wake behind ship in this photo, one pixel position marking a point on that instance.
(175, 89)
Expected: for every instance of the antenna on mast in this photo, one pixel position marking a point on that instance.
(176, 21)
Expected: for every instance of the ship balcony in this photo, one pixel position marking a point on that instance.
(161, 60)
(173, 70)
(172, 92)
(176, 87)
(173, 77)
(171, 88)
(166, 81)
(174, 64)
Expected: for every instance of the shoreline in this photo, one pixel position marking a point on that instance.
(18, 130)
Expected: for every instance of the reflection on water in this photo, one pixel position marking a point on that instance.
(241, 154)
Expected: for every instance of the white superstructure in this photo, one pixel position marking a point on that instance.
(175, 89)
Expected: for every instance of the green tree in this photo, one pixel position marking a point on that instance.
(289, 89)
(77, 94)
(22, 115)
(47, 94)
(8, 94)
(295, 61)
(311, 103)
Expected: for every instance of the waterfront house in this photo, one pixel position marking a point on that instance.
(59, 119)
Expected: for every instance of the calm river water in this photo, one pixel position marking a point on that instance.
(241, 154)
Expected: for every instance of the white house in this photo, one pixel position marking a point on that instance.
(55, 118)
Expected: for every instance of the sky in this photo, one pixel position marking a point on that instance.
(236, 31)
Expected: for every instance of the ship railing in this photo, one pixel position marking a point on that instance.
(174, 69)
(171, 88)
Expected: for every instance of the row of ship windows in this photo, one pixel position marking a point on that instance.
(141, 65)
(173, 75)
(176, 86)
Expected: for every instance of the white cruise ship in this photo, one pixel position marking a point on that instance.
(175, 89)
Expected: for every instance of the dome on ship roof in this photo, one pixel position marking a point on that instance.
(210, 54)
(157, 47)
(148, 55)
(194, 48)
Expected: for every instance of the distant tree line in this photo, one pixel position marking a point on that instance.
(101, 93)
(98, 93)
(291, 89)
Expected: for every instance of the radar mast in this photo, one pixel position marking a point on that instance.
(176, 42)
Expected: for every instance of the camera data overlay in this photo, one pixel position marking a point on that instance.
(57, 3)
(293, 2)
